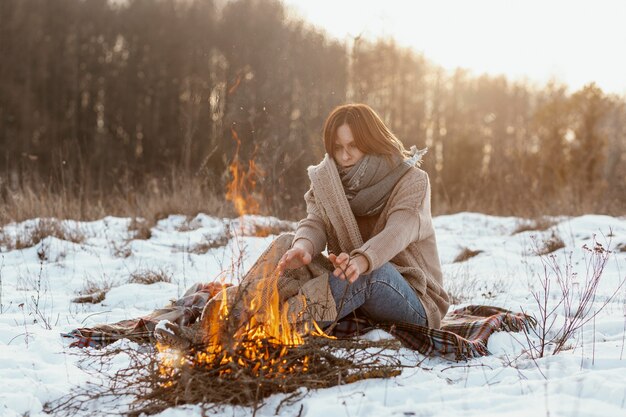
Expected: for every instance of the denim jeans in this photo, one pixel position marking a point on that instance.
(383, 295)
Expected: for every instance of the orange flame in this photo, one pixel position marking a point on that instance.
(261, 341)
(242, 187)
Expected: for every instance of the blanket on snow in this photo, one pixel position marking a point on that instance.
(463, 335)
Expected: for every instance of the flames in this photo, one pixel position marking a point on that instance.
(257, 338)
(241, 190)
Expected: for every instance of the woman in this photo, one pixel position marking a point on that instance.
(370, 205)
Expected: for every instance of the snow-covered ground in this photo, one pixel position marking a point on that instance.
(588, 378)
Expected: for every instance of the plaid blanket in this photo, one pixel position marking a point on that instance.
(463, 335)
(183, 312)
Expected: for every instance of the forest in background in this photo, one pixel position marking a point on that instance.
(138, 108)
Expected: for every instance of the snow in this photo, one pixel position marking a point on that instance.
(588, 378)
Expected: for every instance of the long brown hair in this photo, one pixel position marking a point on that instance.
(371, 136)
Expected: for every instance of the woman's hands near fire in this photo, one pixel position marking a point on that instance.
(346, 268)
(294, 258)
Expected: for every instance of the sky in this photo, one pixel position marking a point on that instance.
(572, 41)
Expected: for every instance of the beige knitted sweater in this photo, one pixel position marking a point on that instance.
(402, 235)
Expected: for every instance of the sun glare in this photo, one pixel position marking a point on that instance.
(575, 42)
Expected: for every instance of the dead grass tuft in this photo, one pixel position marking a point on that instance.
(211, 242)
(94, 291)
(538, 224)
(273, 229)
(549, 245)
(621, 247)
(188, 225)
(460, 286)
(121, 250)
(466, 254)
(43, 228)
(149, 276)
(140, 229)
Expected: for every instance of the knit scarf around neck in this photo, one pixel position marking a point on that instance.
(368, 184)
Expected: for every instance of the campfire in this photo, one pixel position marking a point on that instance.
(256, 341)
(254, 346)
(264, 338)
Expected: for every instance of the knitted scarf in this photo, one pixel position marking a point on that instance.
(368, 184)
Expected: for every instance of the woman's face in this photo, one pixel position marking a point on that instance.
(346, 153)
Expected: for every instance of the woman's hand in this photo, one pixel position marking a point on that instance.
(346, 268)
(294, 258)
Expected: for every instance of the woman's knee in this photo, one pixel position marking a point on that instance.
(387, 273)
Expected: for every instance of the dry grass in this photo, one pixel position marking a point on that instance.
(42, 229)
(94, 291)
(179, 193)
(550, 244)
(121, 250)
(272, 229)
(538, 224)
(149, 276)
(153, 199)
(461, 288)
(466, 254)
(211, 242)
(140, 228)
(188, 225)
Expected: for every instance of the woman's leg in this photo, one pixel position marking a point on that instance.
(384, 295)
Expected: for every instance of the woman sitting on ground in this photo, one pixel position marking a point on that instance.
(370, 206)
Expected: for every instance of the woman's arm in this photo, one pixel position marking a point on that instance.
(311, 229)
(310, 238)
(408, 220)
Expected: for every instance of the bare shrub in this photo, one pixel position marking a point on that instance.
(538, 224)
(37, 301)
(573, 299)
(149, 276)
(466, 254)
(94, 291)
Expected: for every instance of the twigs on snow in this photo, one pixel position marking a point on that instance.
(153, 381)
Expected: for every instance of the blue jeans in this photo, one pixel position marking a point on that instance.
(383, 295)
